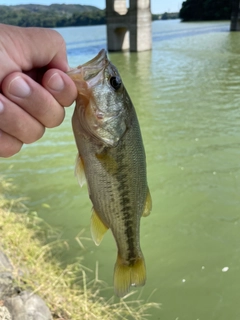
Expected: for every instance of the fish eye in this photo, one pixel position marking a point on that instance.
(115, 82)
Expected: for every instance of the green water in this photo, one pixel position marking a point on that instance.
(187, 95)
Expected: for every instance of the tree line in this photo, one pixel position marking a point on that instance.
(52, 16)
(199, 10)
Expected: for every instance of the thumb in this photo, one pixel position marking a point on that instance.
(61, 86)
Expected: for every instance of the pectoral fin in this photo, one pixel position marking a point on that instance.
(79, 171)
(98, 228)
(148, 205)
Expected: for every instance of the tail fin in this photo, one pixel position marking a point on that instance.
(126, 276)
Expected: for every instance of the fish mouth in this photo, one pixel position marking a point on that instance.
(100, 59)
(91, 68)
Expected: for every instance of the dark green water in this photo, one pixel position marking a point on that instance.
(187, 95)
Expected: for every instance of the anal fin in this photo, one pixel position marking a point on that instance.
(148, 205)
(98, 228)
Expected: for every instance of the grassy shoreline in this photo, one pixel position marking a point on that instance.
(68, 292)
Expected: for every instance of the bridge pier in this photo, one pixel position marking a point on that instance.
(235, 16)
(129, 29)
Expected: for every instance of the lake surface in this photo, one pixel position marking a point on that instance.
(187, 95)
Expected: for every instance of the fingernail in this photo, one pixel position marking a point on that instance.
(56, 82)
(18, 87)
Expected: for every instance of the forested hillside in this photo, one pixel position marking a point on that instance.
(55, 15)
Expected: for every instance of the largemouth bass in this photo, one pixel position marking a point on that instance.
(111, 158)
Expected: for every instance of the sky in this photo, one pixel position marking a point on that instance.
(157, 6)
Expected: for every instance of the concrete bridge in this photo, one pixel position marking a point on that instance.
(129, 28)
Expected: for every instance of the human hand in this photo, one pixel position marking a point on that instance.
(34, 85)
